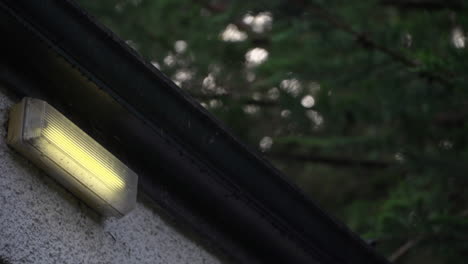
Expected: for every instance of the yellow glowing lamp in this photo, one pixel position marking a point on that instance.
(51, 141)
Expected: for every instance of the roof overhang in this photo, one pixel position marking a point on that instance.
(188, 163)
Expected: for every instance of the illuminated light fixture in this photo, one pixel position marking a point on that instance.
(51, 141)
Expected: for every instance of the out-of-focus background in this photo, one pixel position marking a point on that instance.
(362, 104)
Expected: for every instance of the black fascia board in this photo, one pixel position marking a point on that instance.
(187, 162)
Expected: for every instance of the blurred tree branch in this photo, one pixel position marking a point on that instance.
(332, 161)
(368, 43)
(240, 100)
(407, 246)
(214, 6)
(433, 5)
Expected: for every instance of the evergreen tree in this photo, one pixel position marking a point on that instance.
(363, 104)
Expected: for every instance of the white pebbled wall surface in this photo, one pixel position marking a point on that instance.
(40, 222)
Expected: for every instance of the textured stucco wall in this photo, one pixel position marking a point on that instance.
(40, 222)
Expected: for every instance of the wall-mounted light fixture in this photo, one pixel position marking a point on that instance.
(51, 141)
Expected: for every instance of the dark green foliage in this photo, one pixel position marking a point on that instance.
(384, 143)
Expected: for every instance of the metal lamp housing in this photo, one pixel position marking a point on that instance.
(50, 140)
